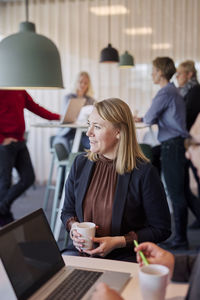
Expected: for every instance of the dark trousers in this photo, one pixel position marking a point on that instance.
(14, 155)
(175, 169)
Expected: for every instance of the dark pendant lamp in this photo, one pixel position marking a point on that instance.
(109, 54)
(29, 60)
(126, 61)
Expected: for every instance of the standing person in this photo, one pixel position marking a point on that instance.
(114, 186)
(83, 89)
(189, 88)
(13, 150)
(168, 111)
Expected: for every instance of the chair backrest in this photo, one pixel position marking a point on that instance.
(61, 152)
(71, 159)
(147, 151)
(51, 139)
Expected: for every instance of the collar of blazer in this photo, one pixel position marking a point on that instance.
(119, 198)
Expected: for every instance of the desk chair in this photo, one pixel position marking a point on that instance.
(49, 185)
(61, 156)
(58, 223)
(147, 151)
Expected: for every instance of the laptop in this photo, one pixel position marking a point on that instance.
(31, 266)
(73, 109)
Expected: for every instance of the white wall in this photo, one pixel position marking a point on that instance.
(80, 36)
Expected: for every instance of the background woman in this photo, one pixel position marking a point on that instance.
(114, 186)
(189, 88)
(83, 89)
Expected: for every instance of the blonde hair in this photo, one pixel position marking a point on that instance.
(89, 91)
(119, 114)
(189, 66)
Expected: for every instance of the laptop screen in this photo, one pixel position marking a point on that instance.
(29, 253)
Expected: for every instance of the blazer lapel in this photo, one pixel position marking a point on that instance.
(119, 202)
(82, 188)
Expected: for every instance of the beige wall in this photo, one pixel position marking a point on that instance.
(80, 35)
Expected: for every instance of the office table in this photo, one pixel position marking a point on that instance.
(175, 291)
(78, 126)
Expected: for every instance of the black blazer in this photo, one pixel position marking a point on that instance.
(192, 101)
(139, 205)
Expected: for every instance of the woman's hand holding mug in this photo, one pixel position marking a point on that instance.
(82, 235)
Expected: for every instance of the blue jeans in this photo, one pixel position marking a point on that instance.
(14, 155)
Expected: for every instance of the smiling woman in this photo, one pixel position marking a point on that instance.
(114, 186)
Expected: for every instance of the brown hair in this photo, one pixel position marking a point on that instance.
(119, 114)
(166, 66)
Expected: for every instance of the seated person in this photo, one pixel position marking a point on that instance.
(182, 269)
(115, 186)
(83, 89)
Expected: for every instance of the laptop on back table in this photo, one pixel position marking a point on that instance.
(32, 267)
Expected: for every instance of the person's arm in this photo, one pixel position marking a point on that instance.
(159, 104)
(1, 138)
(39, 110)
(103, 292)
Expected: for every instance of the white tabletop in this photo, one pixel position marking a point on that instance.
(132, 291)
(57, 124)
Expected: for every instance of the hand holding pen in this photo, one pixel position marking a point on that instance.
(154, 255)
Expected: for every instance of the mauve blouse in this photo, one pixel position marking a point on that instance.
(98, 202)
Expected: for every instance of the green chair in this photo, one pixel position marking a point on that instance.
(56, 229)
(61, 156)
(147, 151)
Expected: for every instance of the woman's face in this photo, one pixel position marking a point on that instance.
(83, 84)
(156, 75)
(103, 136)
(182, 76)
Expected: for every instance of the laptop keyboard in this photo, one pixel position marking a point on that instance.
(75, 286)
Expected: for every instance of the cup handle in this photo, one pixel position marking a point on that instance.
(74, 226)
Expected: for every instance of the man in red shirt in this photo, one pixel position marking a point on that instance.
(13, 150)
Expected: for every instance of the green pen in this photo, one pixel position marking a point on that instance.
(145, 261)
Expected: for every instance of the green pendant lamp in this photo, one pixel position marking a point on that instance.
(29, 60)
(126, 61)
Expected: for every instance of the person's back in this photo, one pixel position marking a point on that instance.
(192, 101)
(168, 111)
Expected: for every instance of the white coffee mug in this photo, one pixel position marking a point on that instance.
(87, 231)
(153, 281)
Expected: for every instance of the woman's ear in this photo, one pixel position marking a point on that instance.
(118, 135)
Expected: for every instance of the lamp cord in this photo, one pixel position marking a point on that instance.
(27, 16)
(109, 22)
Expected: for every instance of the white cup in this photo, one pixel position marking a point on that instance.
(87, 231)
(153, 281)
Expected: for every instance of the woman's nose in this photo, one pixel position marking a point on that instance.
(89, 131)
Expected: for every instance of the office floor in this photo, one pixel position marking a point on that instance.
(33, 199)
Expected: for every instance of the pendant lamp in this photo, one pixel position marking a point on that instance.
(29, 60)
(126, 61)
(109, 54)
